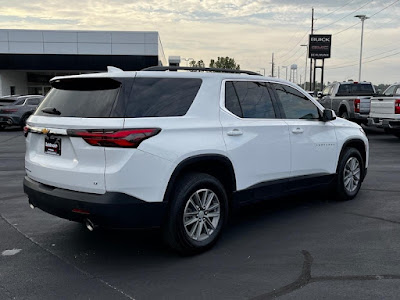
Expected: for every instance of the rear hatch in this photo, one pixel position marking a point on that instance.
(55, 154)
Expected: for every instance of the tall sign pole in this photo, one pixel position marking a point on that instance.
(311, 62)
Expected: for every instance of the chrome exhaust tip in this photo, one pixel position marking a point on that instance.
(90, 225)
(31, 205)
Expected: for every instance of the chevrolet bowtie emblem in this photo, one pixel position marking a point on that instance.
(45, 131)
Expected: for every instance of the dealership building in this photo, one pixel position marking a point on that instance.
(30, 58)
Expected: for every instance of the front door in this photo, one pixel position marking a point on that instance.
(313, 142)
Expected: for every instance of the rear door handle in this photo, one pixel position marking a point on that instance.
(297, 130)
(234, 132)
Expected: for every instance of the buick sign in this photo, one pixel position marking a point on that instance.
(319, 46)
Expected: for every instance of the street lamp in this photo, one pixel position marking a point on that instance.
(305, 69)
(286, 70)
(362, 18)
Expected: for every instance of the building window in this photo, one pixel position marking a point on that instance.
(12, 90)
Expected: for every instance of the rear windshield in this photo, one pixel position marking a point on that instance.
(81, 98)
(7, 101)
(356, 89)
(161, 97)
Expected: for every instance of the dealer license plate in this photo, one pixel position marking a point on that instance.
(52, 145)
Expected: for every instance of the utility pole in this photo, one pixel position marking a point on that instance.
(305, 68)
(362, 18)
(273, 65)
(312, 88)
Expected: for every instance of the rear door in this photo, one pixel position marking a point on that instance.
(56, 158)
(257, 140)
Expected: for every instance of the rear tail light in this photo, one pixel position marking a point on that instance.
(357, 104)
(26, 130)
(9, 110)
(126, 138)
(397, 106)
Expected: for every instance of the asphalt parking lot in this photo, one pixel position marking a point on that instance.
(308, 247)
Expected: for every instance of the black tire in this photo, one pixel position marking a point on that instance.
(344, 115)
(2, 127)
(344, 193)
(23, 120)
(397, 134)
(175, 233)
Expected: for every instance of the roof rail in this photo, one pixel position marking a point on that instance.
(172, 68)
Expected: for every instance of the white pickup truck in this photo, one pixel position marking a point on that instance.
(385, 110)
(349, 99)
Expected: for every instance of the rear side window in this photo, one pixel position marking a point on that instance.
(81, 98)
(355, 89)
(161, 97)
(33, 101)
(247, 99)
(295, 105)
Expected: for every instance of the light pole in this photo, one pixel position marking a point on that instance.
(286, 70)
(305, 69)
(362, 18)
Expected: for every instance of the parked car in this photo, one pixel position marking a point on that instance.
(181, 149)
(15, 110)
(385, 110)
(349, 99)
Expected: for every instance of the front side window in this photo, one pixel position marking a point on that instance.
(327, 91)
(248, 99)
(162, 97)
(390, 91)
(296, 105)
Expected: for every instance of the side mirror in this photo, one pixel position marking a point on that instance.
(320, 95)
(328, 115)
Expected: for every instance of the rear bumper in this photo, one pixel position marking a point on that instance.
(359, 118)
(391, 124)
(116, 210)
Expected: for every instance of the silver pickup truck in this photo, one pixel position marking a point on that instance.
(349, 99)
(385, 110)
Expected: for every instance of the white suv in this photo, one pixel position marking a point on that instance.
(180, 149)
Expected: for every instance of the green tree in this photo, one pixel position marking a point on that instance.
(198, 64)
(224, 63)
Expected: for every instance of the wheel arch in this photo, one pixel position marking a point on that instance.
(216, 165)
(344, 107)
(357, 144)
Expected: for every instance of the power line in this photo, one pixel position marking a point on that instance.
(346, 15)
(386, 7)
(298, 49)
(366, 62)
(286, 53)
(334, 10)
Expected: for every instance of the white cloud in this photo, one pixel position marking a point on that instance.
(248, 30)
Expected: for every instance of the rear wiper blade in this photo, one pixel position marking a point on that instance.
(51, 110)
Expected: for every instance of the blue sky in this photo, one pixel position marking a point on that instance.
(249, 31)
